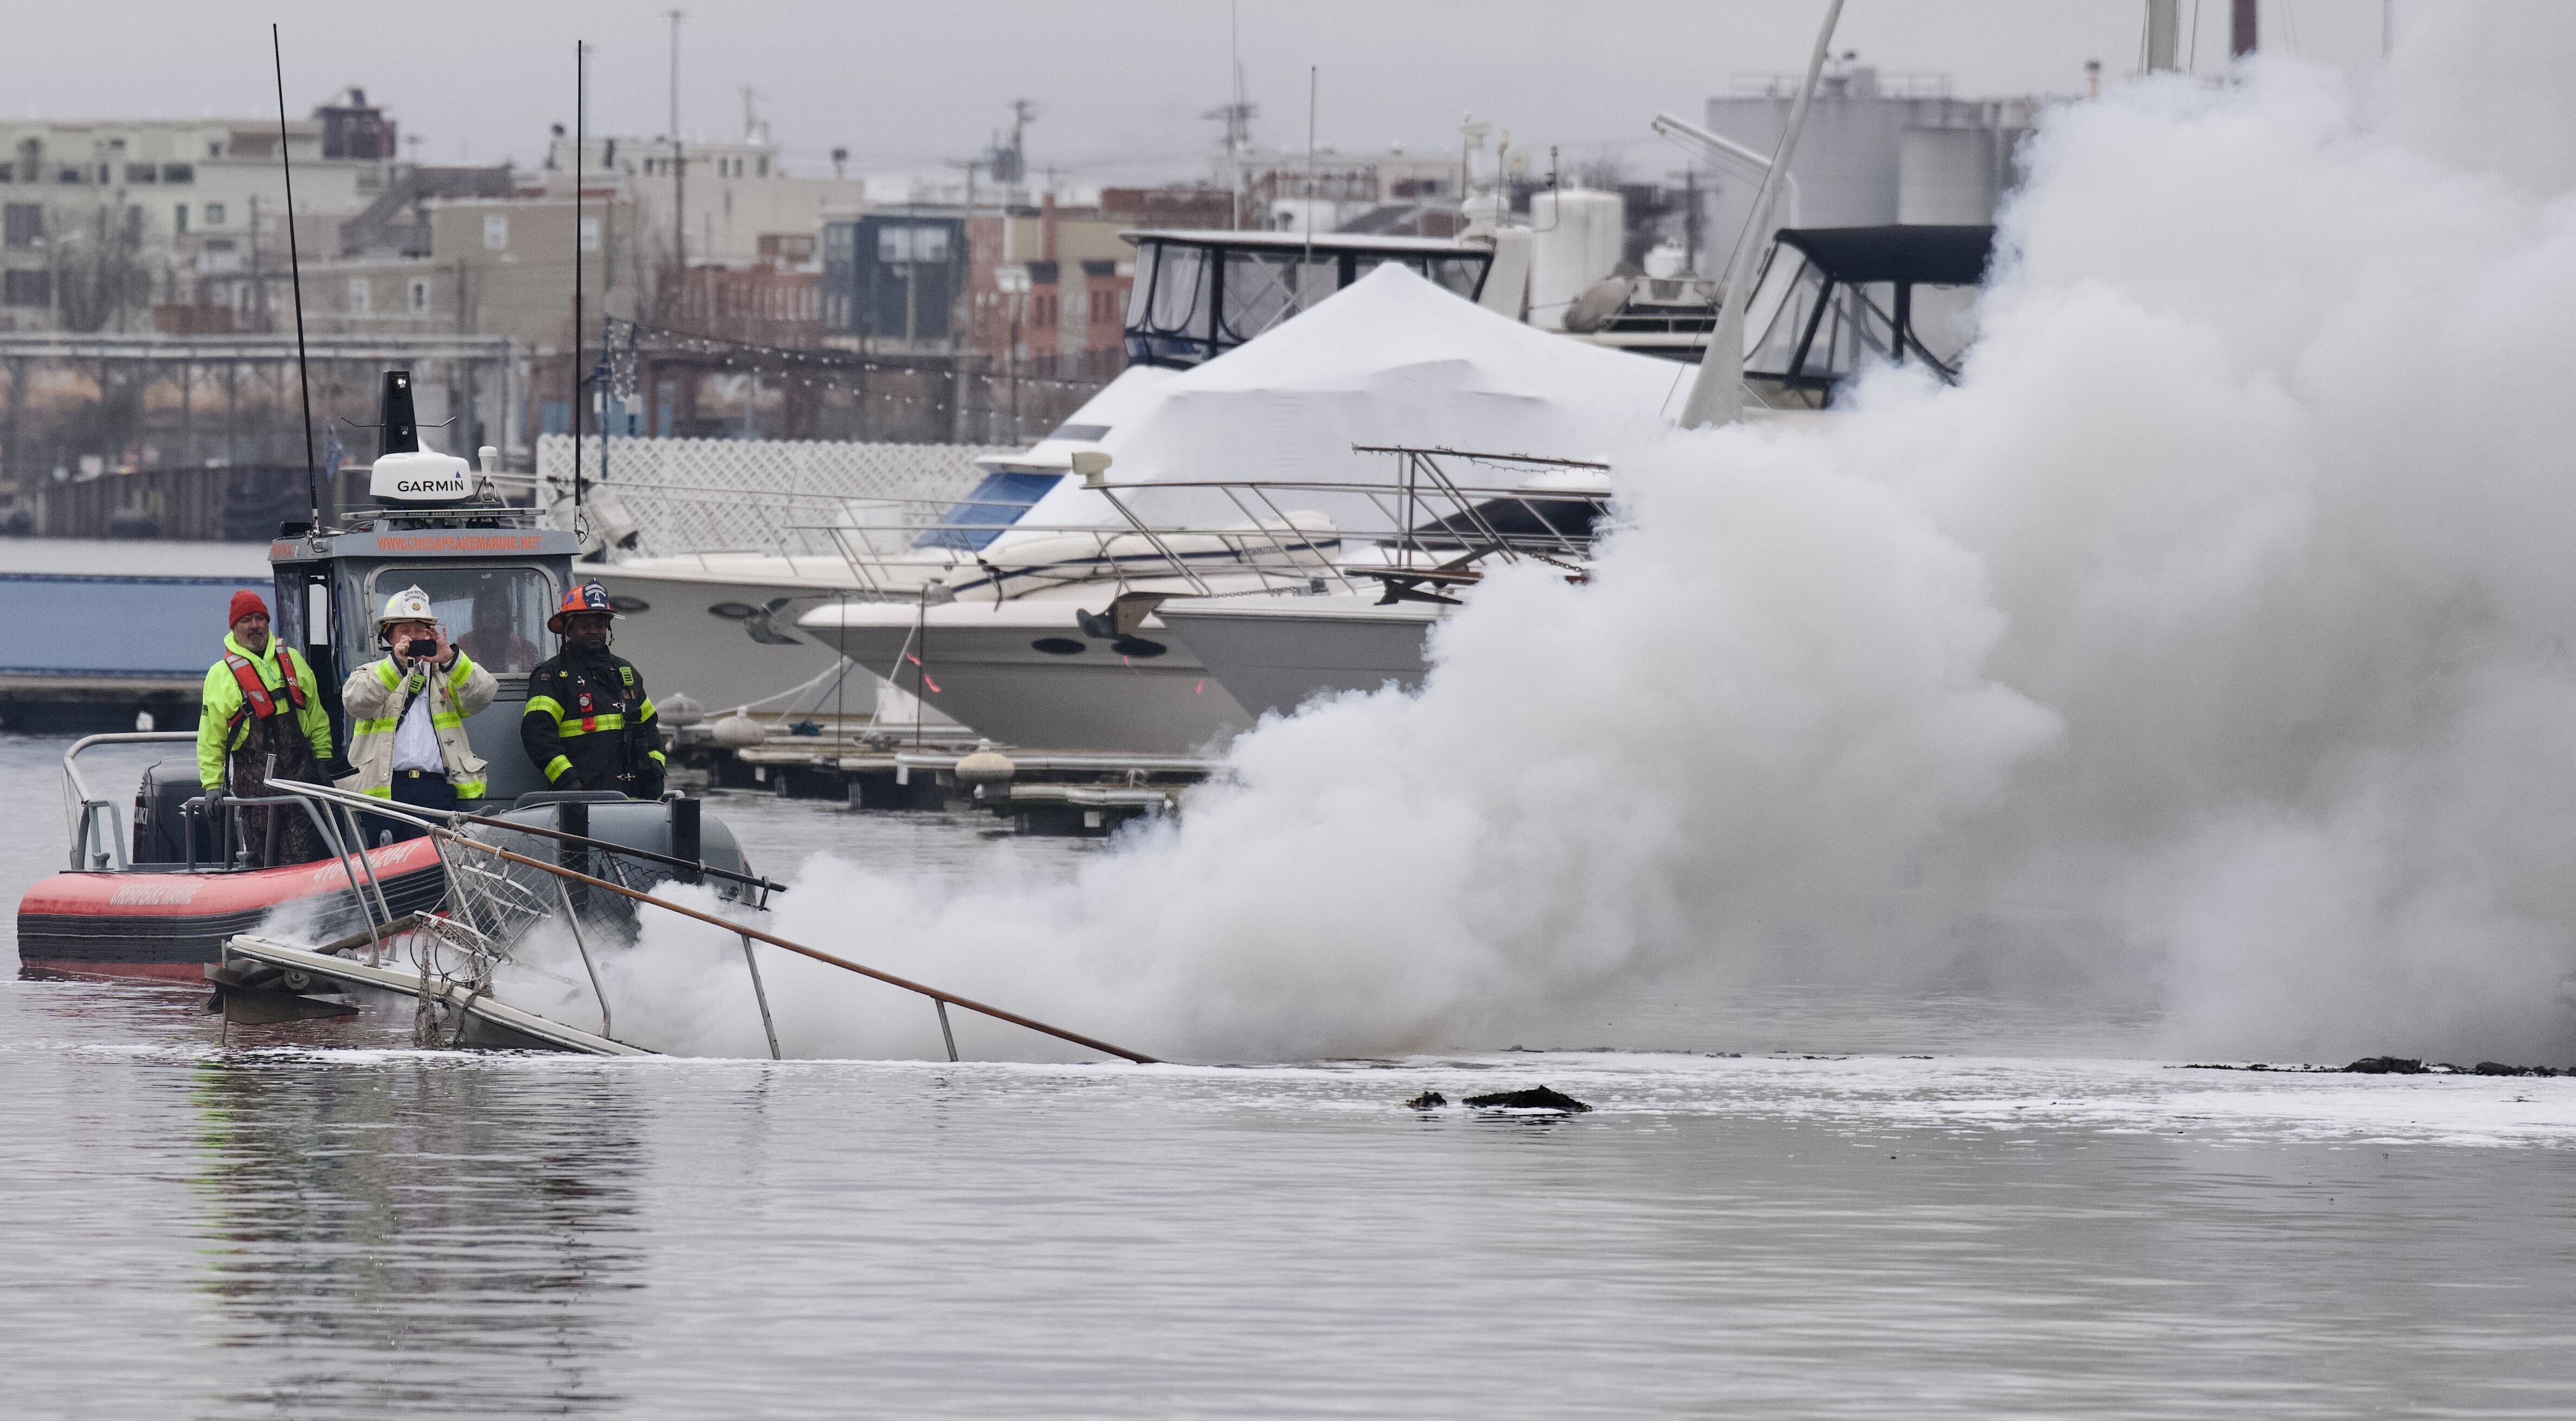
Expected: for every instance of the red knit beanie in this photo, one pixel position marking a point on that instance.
(245, 602)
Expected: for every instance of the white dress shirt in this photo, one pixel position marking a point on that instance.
(415, 739)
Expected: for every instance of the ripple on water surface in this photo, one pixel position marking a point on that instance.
(370, 1230)
(343, 1226)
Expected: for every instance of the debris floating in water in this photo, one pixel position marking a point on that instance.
(1535, 1098)
(1428, 1100)
(2390, 1066)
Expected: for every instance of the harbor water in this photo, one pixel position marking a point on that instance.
(1820, 1204)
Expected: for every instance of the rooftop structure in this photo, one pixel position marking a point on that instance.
(102, 220)
(1879, 148)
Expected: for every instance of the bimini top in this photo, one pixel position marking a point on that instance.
(1336, 242)
(1199, 294)
(1906, 255)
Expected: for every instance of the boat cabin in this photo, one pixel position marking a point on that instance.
(1200, 294)
(1830, 301)
(492, 574)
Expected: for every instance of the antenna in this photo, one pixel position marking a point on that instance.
(1312, 81)
(679, 169)
(580, 91)
(295, 268)
(1236, 127)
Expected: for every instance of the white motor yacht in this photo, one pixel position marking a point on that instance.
(719, 623)
(1372, 629)
(1829, 302)
(1245, 478)
(1274, 654)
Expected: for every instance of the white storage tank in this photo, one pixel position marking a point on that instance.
(1576, 236)
(1946, 177)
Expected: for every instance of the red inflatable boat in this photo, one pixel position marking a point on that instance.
(160, 902)
(170, 924)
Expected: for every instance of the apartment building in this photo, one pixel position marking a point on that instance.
(100, 221)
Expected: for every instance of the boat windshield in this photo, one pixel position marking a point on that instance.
(497, 615)
(1193, 300)
(998, 501)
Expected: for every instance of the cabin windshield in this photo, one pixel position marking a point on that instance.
(497, 615)
(999, 500)
(1193, 301)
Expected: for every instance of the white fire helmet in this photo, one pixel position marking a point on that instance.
(409, 605)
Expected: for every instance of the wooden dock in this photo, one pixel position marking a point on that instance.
(1074, 792)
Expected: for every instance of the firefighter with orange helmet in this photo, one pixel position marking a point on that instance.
(589, 723)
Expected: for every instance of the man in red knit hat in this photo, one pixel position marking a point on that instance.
(263, 721)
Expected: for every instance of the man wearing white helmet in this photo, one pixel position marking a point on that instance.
(407, 713)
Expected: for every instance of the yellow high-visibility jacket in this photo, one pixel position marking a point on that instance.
(225, 724)
(377, 694)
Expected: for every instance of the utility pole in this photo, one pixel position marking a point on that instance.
(679, 167)
(258, 277)
(1236, 114)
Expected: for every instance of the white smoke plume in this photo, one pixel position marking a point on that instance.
(2213, 632)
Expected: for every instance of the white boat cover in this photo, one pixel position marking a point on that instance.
(1391, 359)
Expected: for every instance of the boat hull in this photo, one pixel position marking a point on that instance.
(169, 924)
(986, 668)
(1273, 654)
(726, 640)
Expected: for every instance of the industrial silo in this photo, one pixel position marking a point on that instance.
(1576, 236)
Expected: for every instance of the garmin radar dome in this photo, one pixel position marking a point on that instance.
(406, 473)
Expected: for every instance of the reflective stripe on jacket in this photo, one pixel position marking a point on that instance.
(376, 696)
(591, 725)
(222, 726)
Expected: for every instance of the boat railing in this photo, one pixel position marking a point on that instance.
(1298, 547)
(88, 813)
(1424, 520)
(713, 518)
(102, 841)
(455, 927)
(223, 815)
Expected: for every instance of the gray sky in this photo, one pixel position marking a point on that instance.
(1120, 84)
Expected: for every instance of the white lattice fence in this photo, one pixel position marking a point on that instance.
(756, 495)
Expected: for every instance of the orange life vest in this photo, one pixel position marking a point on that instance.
(257, 703)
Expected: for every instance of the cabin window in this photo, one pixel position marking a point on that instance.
(1174, 301)
(1264, 287)
(996, 503)
(496, 614)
